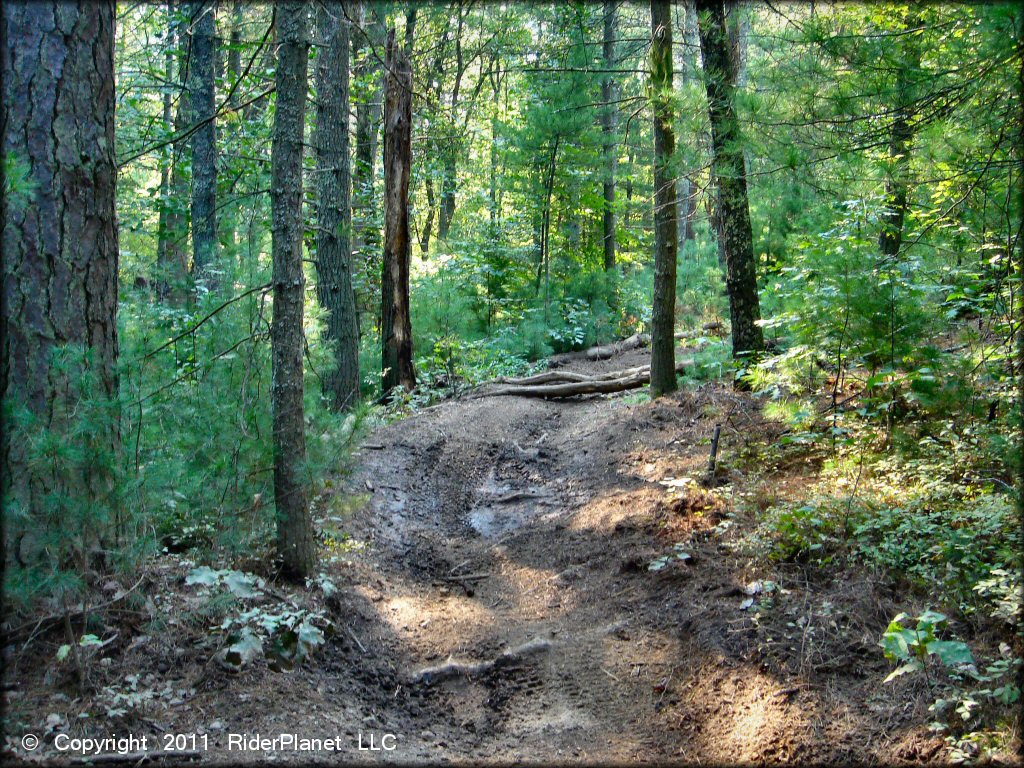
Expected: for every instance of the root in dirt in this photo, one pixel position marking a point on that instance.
(469, 670)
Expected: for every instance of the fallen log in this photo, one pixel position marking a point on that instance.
(610, 350)
(618, 381)
(542, 378)
(563, 377)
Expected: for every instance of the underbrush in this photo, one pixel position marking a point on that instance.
(915, 488)
(194, 473)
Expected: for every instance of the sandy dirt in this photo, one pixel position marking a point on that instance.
(508, 544)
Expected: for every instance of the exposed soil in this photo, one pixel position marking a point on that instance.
(497, 523)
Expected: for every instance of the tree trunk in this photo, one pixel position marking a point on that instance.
(164, 267)
(234, 71)
(688, 187)
(295, 543)
(368, 114)
(729, 170)
(396, 324)
(176, 255)
(901, 136)
(60, 269)
(448, 186)
(202, 75)
(334, 212)
(663, 374)
(428, 184)
(608, 129)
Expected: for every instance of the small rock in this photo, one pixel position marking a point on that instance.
(427, 735)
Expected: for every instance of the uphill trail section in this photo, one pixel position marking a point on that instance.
(521, 580)
(505, 609)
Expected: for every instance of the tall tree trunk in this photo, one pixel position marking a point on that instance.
(901, 136)
(234, 71)
(202, 76)
(60, 263)
(690, 70)
(368, 114)
(334, 211)
(608, 130)
(663, 366)
(453, 146)
(176, 256)
(164, 268)
(627, 212)
(295, 543)
(730, 171)
(396, 323)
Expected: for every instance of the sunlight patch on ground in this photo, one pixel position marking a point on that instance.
(606, 512)
(409, 614)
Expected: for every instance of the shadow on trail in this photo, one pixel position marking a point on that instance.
(499, 523)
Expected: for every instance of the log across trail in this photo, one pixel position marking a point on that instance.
(554, 384)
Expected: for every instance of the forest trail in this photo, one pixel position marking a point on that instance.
(498, 523)
(494, 603)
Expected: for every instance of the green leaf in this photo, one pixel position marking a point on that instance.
(204, 575)
(62, 653)
(242, 584)
(951, 652)
(244, 650)
(309, 639)
(930, 620)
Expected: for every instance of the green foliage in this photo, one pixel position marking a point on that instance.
(913, 647)
(971, 701)
(286, 637)
(65, 516)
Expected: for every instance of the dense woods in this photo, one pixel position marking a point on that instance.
(239, 237)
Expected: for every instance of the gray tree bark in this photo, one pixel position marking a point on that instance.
(663, 373)
(60, 254)
(334, 207)
(729, 169)
(608, 130)
(901, 137)
(229, 227)
(202, 76)
(177, 223)
(396, 323)
(368, 115)
(164, 267)
(295, 543)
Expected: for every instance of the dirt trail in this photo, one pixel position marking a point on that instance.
(498, 522)
(506, 551)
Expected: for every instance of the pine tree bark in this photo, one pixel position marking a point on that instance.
(729, 170)
(333, 208)
(396, 323)
(608, 130)
(229, 227)
(368, 73)
(177, 231)
(901, 137)
(295, 543)
(164, 267)
(690, 70)
(60, 249)
(663, 373)
(202, 76)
